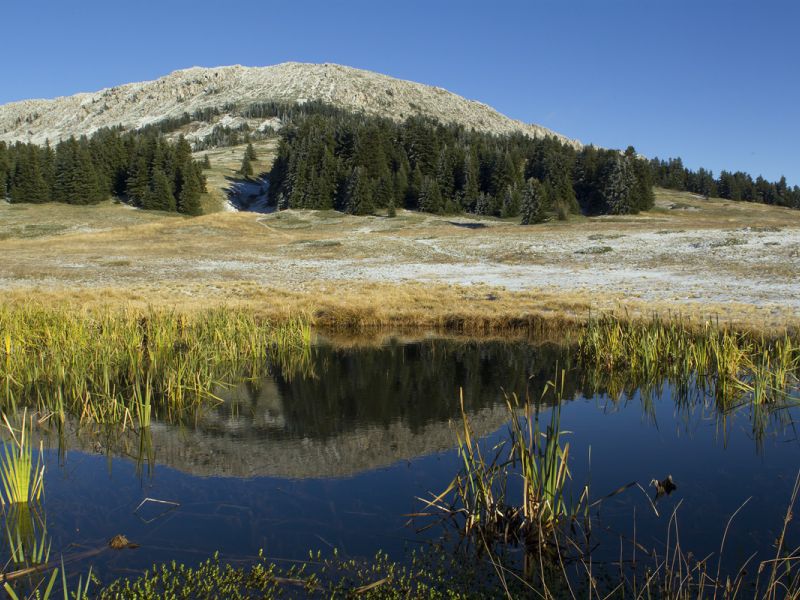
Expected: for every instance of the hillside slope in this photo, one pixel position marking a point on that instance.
(136, 105)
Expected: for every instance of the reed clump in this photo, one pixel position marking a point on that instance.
(532, 464)
(733, 366)
(127, 366)
(21, 476)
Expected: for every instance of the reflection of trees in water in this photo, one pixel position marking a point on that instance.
(414, 383)
(357, 408)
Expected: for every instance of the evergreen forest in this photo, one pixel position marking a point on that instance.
(334, 159)
(143, 168)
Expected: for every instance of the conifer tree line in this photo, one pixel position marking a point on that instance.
(332, 158)
(357, 164)
(731, 186)
(144, 168)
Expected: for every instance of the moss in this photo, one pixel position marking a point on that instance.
(333, 577)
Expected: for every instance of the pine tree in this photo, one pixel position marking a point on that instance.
(358, 197)
(190, 190)
(400, 184)
(48, 159)
(483, 206)
(511, 202)
(3, 170)
(247, 168)
(430, 198)
(644, 198)
(282, 202)
(558, 174)
(161, 197)
(64, 166)
(533, 202)
(326, 180)
(84, 177)
(618, 186)
(471, 182)
(444, 175)
(189, 181)
(137, 185)
(206, 162)
(384, 194)
(27, 182)
(250, 152)
(414, 188)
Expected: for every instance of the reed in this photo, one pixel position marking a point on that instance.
(543, 462)
(22, 478)
(129, 366)
(26, 534)
(477, 499)
(733, 367)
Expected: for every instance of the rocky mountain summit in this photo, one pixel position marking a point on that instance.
(137, 105)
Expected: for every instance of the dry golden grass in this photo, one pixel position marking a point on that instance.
(366, 307)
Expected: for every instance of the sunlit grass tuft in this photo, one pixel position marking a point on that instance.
(22, 478)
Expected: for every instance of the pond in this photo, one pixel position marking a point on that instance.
(337, 454)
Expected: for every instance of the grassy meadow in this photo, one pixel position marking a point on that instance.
(702, 259)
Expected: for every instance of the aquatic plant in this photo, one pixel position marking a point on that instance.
(543, 461)
(735, 367)
(433, 576)
(477, 497)
(22, 478)
(80, 593)
(26, 534)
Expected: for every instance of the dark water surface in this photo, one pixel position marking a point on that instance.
(335, 457)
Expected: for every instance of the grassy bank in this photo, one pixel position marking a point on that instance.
(736, 262)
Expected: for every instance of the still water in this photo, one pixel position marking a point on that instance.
(335, 456)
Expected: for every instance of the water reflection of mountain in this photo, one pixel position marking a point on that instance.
(356, 409)
(414, 384)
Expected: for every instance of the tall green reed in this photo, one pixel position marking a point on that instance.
(478, 499)
(21, 476)
(733, 367)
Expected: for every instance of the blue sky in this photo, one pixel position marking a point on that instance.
(716, 82)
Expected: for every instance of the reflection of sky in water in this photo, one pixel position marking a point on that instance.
(90, 498)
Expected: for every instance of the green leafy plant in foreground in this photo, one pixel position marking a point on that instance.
(22, 478)
(317, 578)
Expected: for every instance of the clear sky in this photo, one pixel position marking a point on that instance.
(716, 82)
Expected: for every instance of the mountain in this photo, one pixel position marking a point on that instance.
(230, 89)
